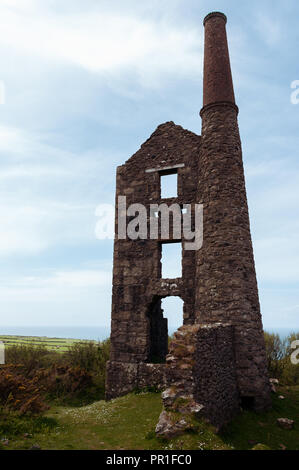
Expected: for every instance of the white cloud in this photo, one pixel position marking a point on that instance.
(63, 64)
(46, 195)
(80, 278)
(273, 200)
(105, 42)
(20, 231)
(69, 297)
(26, 145)
(58, 286)
(30, 230)
(279, 307)
(20, 4)
(269, 28)
(39, 171)
(14, 139)
(277, 259)
(264, 168)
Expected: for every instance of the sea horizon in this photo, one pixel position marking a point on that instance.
(89, 332)
(95, 332)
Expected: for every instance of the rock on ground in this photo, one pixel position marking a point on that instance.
(285, 423)
(171, 425)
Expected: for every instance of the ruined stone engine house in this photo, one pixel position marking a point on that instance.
(218, 356)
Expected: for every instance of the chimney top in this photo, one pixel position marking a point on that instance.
(215, 13)
(217, 77)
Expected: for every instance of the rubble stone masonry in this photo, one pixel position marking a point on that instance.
(223, 365)
(201, 373)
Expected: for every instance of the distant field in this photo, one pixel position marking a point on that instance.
(54, 344)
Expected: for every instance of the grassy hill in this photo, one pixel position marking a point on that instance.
(52, 344)
(67, 378)
(129, 422)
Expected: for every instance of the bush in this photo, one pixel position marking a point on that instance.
(76, 376)
(31, 357)
(89, 356)
(275, 352)
(279, 358)
(290, 374)
(64, 382)
(19, 393)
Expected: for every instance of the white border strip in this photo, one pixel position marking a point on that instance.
(2, 353)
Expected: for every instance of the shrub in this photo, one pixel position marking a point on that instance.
(275, 352)
(76, 376)
(290, 374)
(31, 357)
(64, 382)
(89, 356)
(19, 393)
(279, 358)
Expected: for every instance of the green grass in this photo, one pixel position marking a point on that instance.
(124, 423)
(251, 427)
(12, 425)
(52, 344)
(129, 423)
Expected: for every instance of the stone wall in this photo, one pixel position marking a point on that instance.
(138, 329)
(219, 364)
(123, 378)
(201, 373)
(226, 288)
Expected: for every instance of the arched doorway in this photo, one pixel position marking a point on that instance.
(172, 307)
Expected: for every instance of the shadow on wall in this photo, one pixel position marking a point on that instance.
(165, 316)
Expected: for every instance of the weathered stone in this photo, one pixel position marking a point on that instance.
(274, 381)
(171, 425)
(168, 396)
(285, 423)
(212, 373)
(217, 360)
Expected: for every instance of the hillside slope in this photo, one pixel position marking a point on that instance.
(129, 422)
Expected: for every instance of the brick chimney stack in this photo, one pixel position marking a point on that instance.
(218, 83)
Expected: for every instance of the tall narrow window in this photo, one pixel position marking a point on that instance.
(171, 260)
(169, 185)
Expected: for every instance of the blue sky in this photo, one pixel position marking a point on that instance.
(85, 84)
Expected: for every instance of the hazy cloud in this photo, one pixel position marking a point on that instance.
(86, 83)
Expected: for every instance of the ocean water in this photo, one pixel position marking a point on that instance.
(97, 333)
